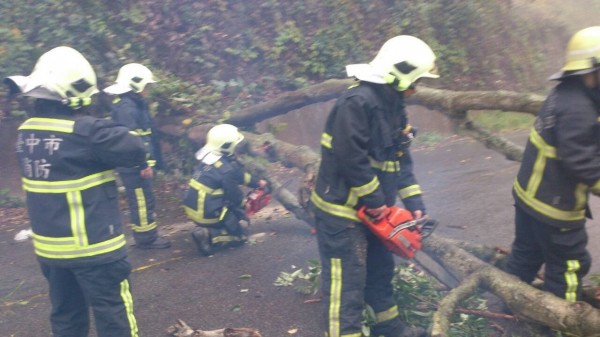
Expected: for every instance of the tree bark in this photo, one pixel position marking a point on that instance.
(448, 101)
(181, 329)
(579, 318)
(289, 101)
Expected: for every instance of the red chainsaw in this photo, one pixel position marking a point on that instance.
(398, 230)
(256, 200)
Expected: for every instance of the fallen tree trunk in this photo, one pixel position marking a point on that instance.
(448, 101)
(579, 318)
(289, 101)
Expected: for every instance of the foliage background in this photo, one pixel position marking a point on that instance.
(218, 55)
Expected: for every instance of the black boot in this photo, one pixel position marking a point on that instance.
(202, 239)
(158, 243)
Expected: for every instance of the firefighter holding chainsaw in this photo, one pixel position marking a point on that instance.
(560, 168)
(365, 162)
(214, 200)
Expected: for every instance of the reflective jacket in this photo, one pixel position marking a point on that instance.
(130, 109)
(363, 153)
(561, 162)
(67, 167)
(214, 190)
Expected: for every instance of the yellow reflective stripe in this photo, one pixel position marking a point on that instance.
(223, 212)
(142, 209)
(596, 187)
(409, 191)
(335, 297)
(201, 187)
(581, 192)
(326, 140)
(547, 150)
(66, 186)
(143, 132)
(334, 209)
(359, 191)
(226, 239)
(247, 178)
(385, 166)
(151, 162)
(546, 209)
(147, 228)
(544, 151)
(198, 216)
(128, 302)
(48, 124)
(387, 315)
(77, 216)
(62, 249)
(571, 279)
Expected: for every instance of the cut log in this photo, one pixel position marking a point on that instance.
(181, 329)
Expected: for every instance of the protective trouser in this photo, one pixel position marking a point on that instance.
(562, 250)
(104, 288)
(140, 198)
(357, 269)
(228, 232)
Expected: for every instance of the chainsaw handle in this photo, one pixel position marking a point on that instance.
(364, 215)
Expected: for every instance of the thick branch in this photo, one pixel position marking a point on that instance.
(498, 144)
(289, 101)
(542, 307)
(451, 101)
(441, 319)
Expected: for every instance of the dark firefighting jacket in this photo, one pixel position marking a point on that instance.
(67, 167)
(130, 109)
(363, 152)
(561, 162)
(215, 189)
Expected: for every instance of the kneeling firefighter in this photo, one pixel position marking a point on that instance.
(214, 200)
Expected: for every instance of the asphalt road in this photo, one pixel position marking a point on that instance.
(467, 188)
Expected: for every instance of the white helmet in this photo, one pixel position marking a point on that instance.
(400, 62)
(132, 77)
(221, 140)
(60, 74)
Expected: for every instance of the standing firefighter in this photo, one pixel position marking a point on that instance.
(561, 166)
(67, 161)
(131, 109)
(214, 200)
(365, 162)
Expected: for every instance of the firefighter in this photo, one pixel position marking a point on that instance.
(66, 161)
(560, 167)
(365, 161)
(214, 200)
(129, 108)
